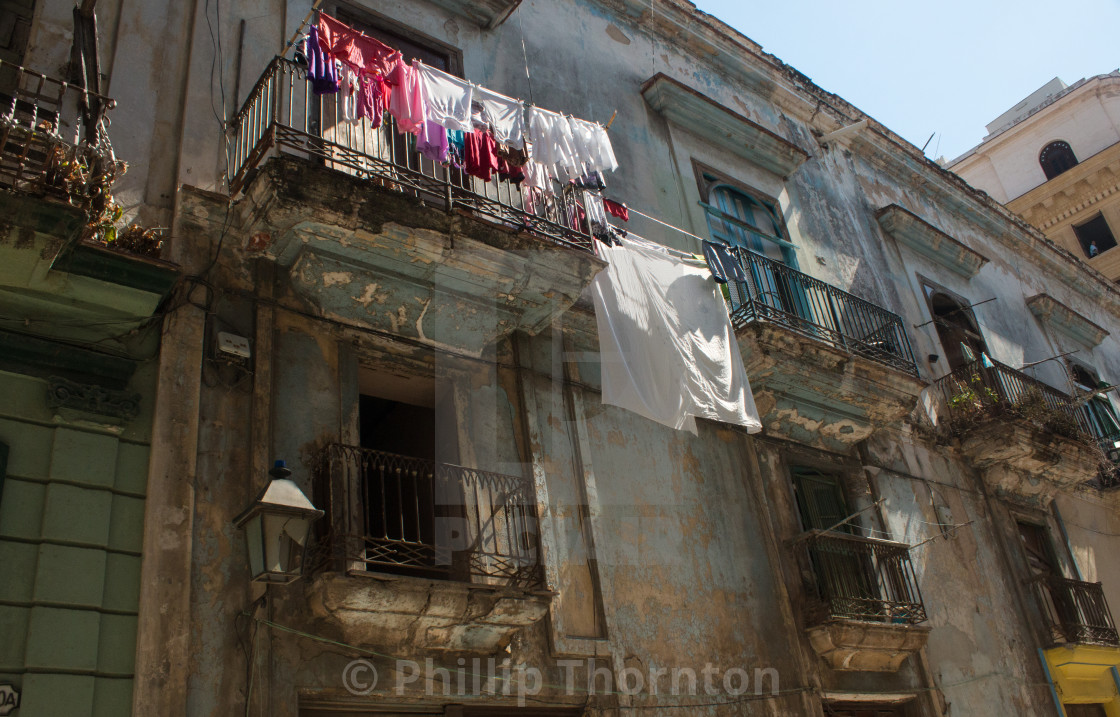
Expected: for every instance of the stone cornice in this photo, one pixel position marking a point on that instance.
(921, 236)
(1065, 320)
(720, 125)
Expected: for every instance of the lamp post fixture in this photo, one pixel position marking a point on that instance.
(277, 527)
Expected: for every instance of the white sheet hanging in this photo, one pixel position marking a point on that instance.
(666, 345)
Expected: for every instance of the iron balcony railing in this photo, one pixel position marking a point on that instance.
(52, 133)
(990, 387)
(779, 294)
(282, 114)
(1076, 612)
(394, 513)
(865, 579)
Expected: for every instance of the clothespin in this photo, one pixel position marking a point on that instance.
(611, 120)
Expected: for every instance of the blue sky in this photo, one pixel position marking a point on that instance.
(948, 67)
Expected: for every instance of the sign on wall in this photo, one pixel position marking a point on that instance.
(9, 699)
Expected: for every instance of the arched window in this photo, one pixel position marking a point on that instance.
(956, 327)
(1057, 157)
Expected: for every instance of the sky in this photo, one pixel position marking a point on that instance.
(949, 67)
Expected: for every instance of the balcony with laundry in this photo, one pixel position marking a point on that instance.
(442, 232)
(1027, 438)
(64, 258)
(424, 553)
(827, 367)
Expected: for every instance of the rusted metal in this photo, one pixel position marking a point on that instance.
(282, 113)
(861, 578)
(1075, 611)
(422, 517)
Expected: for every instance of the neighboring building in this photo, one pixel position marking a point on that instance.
(1054, 159)
(79, 341)
(926, 526)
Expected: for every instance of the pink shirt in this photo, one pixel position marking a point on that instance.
(406, 102)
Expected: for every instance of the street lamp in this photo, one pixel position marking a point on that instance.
(277, 526)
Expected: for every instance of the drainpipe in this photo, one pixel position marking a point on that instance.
(1050, 683)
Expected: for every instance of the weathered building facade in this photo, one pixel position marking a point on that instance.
(925, 526)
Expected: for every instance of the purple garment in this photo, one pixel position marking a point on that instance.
(432, 142)
(321, 70)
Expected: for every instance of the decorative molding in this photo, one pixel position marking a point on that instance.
(62, 393)
(719, 125)
(926, 239)
(1065, 320)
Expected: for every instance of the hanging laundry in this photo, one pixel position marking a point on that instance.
(593, 147)
(372, 95)
(480, 155)
(456, 145)
(551, 138)
(321, 70)
(665, 340)
(616, 209)
(432, 142)
(723, 264)
(591, 180)
(449, 98)
(350, 88)
(504, 116)
(359, 51)
(536, 177)
(596, 216)
(406, 102)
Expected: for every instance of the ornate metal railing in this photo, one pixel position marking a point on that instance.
(776, 293)
(282, 114)
(990, 387)
(52, 133)
(394, 513)
(1075, 611)
(861, 578)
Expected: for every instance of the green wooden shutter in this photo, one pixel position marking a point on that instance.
(820, 498)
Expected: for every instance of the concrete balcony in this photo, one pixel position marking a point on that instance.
(372, 233)
(1028, 440)
(865, 609)
(826, 367)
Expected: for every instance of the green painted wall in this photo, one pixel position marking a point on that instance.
(71, 524)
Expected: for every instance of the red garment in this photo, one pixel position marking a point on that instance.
(359, 51)
(372, 94)
(480, 155)
(616, 209)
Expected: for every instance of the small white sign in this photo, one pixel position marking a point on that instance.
(9, 699)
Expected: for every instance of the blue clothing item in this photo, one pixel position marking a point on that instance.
(723, 264)
(321, 70)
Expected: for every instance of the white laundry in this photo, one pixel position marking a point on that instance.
(350, 86)
(553, 144)
(504, 115)
(448, 97)
(592, 146)
(667, 348)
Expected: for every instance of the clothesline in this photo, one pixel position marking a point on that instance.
(664, 224)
